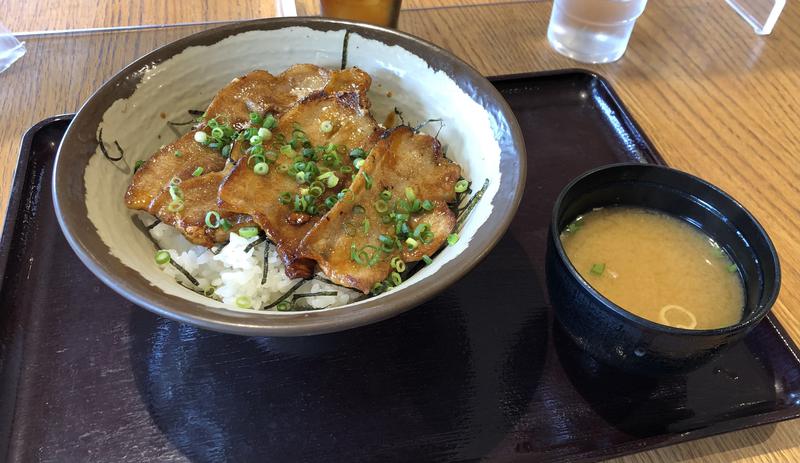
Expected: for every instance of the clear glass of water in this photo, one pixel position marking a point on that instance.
(593, 31)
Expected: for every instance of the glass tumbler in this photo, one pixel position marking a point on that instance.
(379, 12)
(593, 31)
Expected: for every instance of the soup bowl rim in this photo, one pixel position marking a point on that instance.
(765, 302)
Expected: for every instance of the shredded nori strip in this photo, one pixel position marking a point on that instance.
(195, 112)
(216, 249)
(320, 293)
(266, 263)
(285, 295)
(184, 272)
(400, 115)
(176, 124)
(138, 222)
(345, 42)
(255, 243)
(327, 281)
(420, 126)
(470, 205)
(105, 151)
(152, 225)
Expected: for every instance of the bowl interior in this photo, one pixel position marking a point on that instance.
(477, 130)
(691, 199)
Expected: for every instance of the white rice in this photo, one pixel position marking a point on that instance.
(233, 273)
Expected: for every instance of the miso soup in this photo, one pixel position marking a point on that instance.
(656, 266)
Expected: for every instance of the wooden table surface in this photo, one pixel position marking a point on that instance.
(715, 99)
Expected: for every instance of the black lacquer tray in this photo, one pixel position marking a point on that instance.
(480, 372)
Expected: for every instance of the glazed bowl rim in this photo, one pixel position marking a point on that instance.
(508, 136)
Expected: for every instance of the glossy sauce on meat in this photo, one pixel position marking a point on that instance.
(259, 92)
(401, 160)
(244, 191)
(200, 197)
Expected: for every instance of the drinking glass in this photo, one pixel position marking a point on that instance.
(379, 12)
(593, 31)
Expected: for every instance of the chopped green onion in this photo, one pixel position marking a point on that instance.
(175, 206)
(426, 236)
(226, 151)
(387, 240)
(396, 278)
(287, 150)
(367, 179)
(176, 193)
(217, 132)
(410, 194)
(403, 206)
(197, 172)
(598, 269)
(269, 121)
(300, 177)
(733, 268)
(412, 244)
(344, 193)
(216, 219)
(285, 197)
(213, 123)
(366, 226)
(255, 118)
(346, 170)
(386, 195)
(208, 292)
(420, 229)
(243, 302)
(356, 153)
(178, 153)
(175, 181)
(138, 165)
(461, 186)
(427, 205)
(381, 206)
(261, 168)
(257, 150)
(201, 137)
(248, 232)
(452, 239)
(283, 168)
(398, 264)
(427, 260)
(574, 226)
(326, 127)
(359, 209)
(257, 157)
(330, 201)
(331, 180)
(225, 224)
(255, 140)
(162, 257)
(416, 205)
(315, 191)
(284, 306)
(358, 163)
(377, 288)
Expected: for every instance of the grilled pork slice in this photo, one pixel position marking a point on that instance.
(200, 197)
(261, 92)
(355, 242)
(258, 91)
(177, 159)
(339, 120)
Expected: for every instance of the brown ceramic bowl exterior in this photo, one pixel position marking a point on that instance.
(79, 145)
